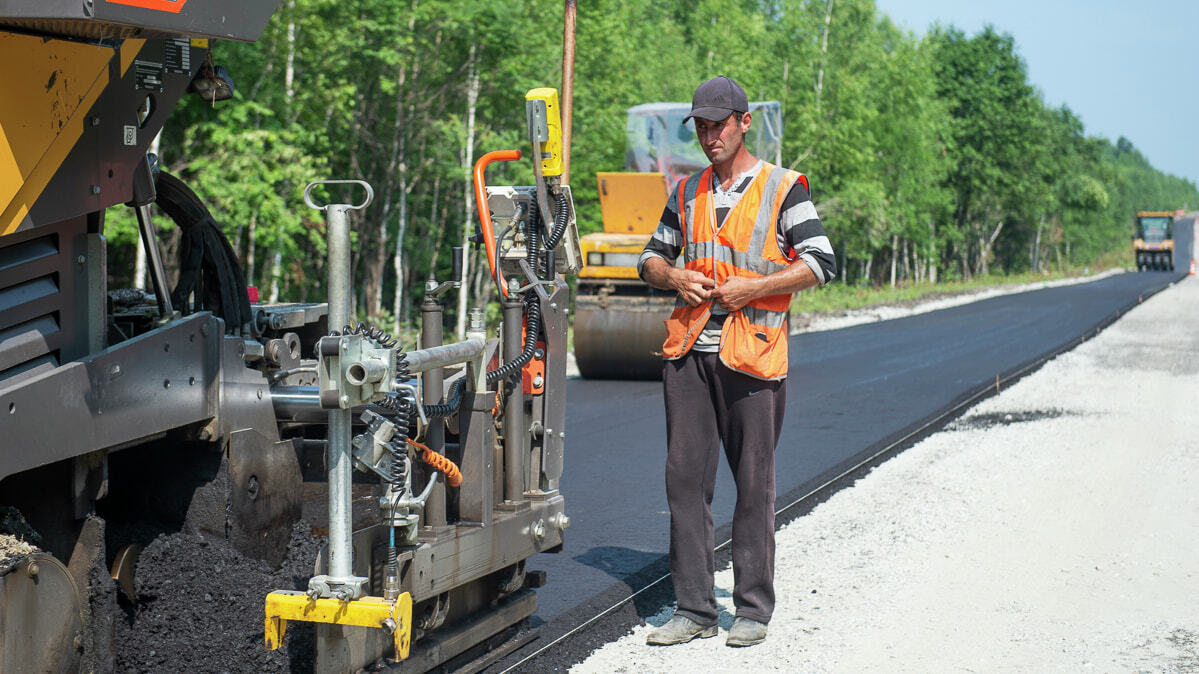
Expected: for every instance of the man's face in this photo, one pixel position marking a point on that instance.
(721, 141)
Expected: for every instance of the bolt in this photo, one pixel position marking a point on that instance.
(477, 321)
(553, 305)
(81, 259)
(345, 346)
(539, 354)
(345, 400)
(252, 487)
(538, 530)
(561, 521)
(114, 370)
(95, 120)
(538, 381)
(94, 189)
(204, 329)
(260, 394)
(562, 434)
(32, 569)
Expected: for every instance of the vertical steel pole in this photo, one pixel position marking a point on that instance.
(341, 551)
(432, 311)
(516, 430)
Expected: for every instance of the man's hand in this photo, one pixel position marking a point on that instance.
(693, 287)
(736, 292)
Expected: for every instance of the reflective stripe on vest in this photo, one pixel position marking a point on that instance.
(754, 338)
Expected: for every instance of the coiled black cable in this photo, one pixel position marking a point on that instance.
(532, 328)
(366, 329)
(453, 400)
(533, 240)
(561, 216)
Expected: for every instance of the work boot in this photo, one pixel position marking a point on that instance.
(679, 630)
(746, 632)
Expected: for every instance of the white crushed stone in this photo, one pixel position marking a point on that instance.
(1066, 543)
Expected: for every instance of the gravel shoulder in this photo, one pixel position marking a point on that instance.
(1054, 527)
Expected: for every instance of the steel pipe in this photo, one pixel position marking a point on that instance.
(433, 357)
(432, 315)
(340, 450)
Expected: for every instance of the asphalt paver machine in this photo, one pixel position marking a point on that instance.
(122, 409)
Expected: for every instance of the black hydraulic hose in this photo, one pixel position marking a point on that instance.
(561, 215)
(532, 327)
(533, 239)
(453, 401)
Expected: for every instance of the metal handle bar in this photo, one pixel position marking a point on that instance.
(370, 194)
(484, 211)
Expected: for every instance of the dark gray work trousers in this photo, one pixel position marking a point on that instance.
(708, 404)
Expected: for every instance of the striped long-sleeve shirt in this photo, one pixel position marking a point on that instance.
(800, 237)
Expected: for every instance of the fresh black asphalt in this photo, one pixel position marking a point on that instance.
(851, 393)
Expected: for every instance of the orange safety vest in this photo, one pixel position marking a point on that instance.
(754, 338)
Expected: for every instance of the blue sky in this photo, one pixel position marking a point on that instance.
(1126, 68)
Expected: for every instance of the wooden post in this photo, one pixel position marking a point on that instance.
(568, 84)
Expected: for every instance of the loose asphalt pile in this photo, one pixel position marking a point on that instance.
(200, 608)
(1053, 527)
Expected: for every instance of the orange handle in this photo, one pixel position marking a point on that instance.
(484, 212)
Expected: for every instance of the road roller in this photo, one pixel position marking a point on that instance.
(187, 414)
(619, 320)
(1153, 242)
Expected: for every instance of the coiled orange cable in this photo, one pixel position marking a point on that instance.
(453, 476)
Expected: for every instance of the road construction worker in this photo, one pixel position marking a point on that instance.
(749, 237)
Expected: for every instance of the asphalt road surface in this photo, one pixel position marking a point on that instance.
(851, 392)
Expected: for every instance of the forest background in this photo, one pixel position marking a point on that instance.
(930, 157)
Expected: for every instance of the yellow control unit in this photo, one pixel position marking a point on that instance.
(546, 128)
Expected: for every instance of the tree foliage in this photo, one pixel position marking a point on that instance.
(928, 156)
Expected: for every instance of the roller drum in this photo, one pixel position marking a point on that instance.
(619, 337)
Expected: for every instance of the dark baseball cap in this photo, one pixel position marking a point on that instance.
(718, 98)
